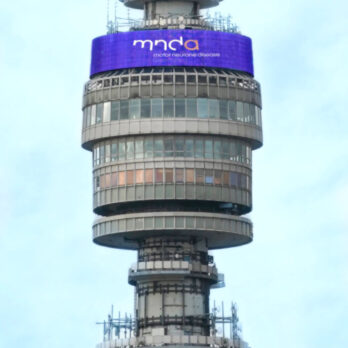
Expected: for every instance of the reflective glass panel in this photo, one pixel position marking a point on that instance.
(115, 110)
(191, 107)
(134, 108)
(168, 107)
(145, 108)
(156, 104)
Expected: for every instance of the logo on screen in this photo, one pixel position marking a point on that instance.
(190, 45)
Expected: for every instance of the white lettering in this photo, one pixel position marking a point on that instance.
(181, 42)
(143, 42)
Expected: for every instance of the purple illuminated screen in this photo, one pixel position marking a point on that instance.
(199, 48)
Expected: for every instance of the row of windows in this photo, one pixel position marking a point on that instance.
(189, 147)
(170, 175)
(170, 75)
(172, 107)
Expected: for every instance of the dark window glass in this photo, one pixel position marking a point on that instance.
(217, 150)
(114, 81)
(214, 108)
(199, 176)
(179, 78)
(148, 148)
(124, 112)
(225, 150)
(168, 107)
(130, 150)
(240, 111)
(179, 147)
(202, 79)
(145, 79)
(158, 147)
(168, 78)
(208, 149)
(145, 108)
(179, 107)
(233, 179)
(168, 147)
(134, 108)
(242, 181)
(222, 81)
(217, 177)
(124, 80)
(191, 78)
(232, 110)
(223, 104)
(188, 148)
(212, 80)
(114, 154)
(135, 79)
(191, 107)
(199, 148)
(156, 104)
(139, 149)
(203, 108)
(156, 78)
(106, 83)
(115, 110)
(99, 113)
(121, 151)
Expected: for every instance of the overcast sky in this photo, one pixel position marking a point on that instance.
(291, 283)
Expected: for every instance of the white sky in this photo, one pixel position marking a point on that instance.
(291, 283)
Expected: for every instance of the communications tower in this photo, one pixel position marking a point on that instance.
(171, 114)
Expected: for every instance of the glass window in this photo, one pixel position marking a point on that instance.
(252, 114)
(217, 150)
(159, 175)
(99, 113)
(102, 181)
(156, 105)
(145, 79)
(190, 175)
(191, 78)
(233, 179)
(115, 110)
(156, 79)
(202, 79)
(199, 148)
(134, 108)
(135, 80)
(114, 156)
(232, 110)
(189, 148)
(148, 148)
(88, 116)
(222, 81)
(225, 178)
(168, 107)
(107, 180)
(168, 175)
(203, 108)
(225, 150)
(106, 112)
(199, 176)
(114, 179)
(214, 108)
(158, 147)
(139, 149)
(102, 153)
(208, 149)
(139, 176)
(121, 178)
(124, 110)
(148, 176)
(212, 80)
(124, 80)
(130, 177)
(121, 151)
(191, 107)
(130, 150)
(217, 177)
(240, 111)
(179, 147)
(242, 181)
(180, 107)
(179, 78)
(209, 177)
(179, 175)
(97, 183)
(93, 114)
(168, 78)
(145, 108)
(223, 104)
(168, 147)
(115, 81)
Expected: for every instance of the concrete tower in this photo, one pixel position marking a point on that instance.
(171, 115)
